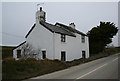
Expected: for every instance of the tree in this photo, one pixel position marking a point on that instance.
(100, 36)
(28, 51)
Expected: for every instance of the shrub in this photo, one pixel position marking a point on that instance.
(9, 59)
(26, 68)
(31, 59)
(7, 51)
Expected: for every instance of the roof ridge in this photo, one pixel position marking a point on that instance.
(65, 29)
(57, 29)
(71, 29)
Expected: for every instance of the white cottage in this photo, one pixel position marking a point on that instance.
(54, 41)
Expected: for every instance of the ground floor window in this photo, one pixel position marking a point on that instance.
(63, 55)
(43, 54)
(18, 53)
(83, 54)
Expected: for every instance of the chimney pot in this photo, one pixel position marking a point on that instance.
(40, 8)
(72, 25)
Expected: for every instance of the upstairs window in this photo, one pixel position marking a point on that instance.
(62, 38)
(83, 39)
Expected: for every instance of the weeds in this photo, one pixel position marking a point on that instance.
(26, 68)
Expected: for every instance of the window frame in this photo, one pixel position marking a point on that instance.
(82, 38)
(63, 38)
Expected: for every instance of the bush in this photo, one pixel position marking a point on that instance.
(9, 59)
(31, 59)
(26, 68)
(6, 51)
(112, 50)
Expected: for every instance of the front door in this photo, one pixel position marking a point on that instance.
(63, 56)
(83, 54)
(43, 54)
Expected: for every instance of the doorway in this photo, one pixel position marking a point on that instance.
(43, 54)
(63, 55)
(83, 54)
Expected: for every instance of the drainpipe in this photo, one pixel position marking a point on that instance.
(53, 45)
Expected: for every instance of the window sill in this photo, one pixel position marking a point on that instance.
(83, 42)
(63, 42)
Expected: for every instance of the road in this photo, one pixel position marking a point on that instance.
(104, 68)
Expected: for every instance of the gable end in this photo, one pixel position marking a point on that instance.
(30, 30)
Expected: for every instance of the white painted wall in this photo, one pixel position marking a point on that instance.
(41, 38)
(119, 38)
(119, 24)
(15, 52)
(73, 47)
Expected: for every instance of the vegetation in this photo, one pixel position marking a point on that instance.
(29, 51)
(6, 51)
(100, 36)
(22, 69)
(111, 51)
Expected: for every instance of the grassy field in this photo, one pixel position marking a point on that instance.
(6, 51)
(23, 69)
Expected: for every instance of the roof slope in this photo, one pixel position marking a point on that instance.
(30, 30)
(57, 29)
(20, 44)
(70, 29)
(61, 29)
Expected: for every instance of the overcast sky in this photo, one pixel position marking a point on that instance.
(19, 17)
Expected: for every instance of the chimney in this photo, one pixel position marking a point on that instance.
(40, 15)
(72, 25)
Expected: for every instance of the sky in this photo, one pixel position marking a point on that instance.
(19, 17)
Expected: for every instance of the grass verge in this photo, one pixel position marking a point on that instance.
(23, 69)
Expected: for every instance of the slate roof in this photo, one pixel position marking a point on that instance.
(57, 29)
(61, 29)
(20, 44)
(70, 29)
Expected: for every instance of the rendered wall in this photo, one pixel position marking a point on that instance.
(72, 46)
(41, 38)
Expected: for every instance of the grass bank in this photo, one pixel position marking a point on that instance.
(23, 69)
